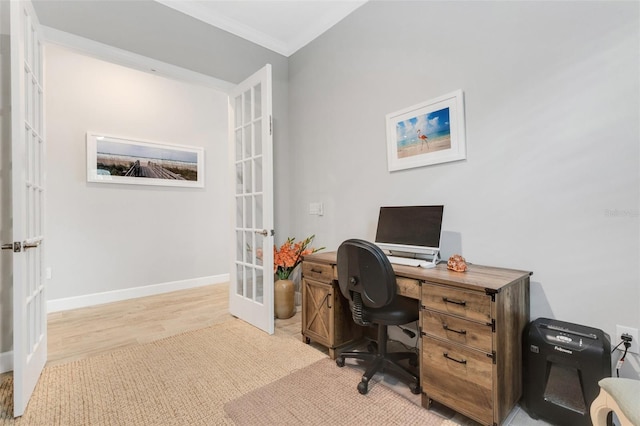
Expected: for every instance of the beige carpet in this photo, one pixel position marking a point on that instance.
(323, 394)
(182, 380)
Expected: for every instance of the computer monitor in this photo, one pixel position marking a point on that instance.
(414, 230)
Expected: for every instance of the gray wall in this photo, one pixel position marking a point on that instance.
(106, 237)
(551, 179)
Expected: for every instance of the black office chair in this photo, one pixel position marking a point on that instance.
(367, 280)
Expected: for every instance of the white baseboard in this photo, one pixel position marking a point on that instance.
(6, 361)
(68, 303)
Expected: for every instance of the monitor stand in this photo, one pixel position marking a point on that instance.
(428, 260)
(434, 260)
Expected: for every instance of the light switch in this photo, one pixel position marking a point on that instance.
(316, 208)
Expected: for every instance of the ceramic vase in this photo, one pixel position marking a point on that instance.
(284, 299)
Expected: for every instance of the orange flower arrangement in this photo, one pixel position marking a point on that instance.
(290, 255)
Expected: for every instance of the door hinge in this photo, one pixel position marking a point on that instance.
(270, 126)
(492, 355)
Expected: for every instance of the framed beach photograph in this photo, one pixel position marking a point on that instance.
(113, 159)
(429, 133)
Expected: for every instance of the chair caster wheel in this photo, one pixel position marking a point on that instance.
(340, 361)
(363, 388)
(415, 389)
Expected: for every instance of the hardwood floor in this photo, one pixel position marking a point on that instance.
(85, 332)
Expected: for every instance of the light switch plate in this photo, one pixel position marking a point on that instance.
(316, 208)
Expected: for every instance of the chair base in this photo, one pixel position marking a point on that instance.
(383, 361)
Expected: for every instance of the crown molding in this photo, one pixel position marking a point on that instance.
(198, 10)
(202, 13)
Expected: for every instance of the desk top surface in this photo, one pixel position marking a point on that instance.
(476, 276)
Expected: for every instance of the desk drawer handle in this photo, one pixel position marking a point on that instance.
(459, 361)
(446, 327)
(327, 299)
(455, 302)
(315, 271)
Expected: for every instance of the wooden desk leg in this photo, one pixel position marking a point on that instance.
(332, 353)
(426, 401)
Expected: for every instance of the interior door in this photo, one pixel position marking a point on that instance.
(27, 145)
(251, 149)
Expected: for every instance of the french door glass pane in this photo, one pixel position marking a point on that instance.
(38, 213)
(31, 211)
(34, 100)
(239, 185)
(248, 217)
(239, 246)
(239, 279)
(239, 212)
(238, 111)
(257, 144)
(259, 285)
(238, 144)
(257, 93)
(248, 246)
(38, 148)
(249, 274)
(259, 242)
(27, 152)
(257, 164)
(247, 107)
(247, 177)
(258, 199)
(247, 141)
(27, 96)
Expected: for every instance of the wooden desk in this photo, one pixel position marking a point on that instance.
(471, 326)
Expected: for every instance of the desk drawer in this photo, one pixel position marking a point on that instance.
(408, 287)
(458, 330)
(458, 377)
(467, 304)
(317, 271)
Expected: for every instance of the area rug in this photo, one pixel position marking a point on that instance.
(181, 380)
(324, 394)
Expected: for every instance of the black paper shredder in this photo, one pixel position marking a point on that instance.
(562, 364)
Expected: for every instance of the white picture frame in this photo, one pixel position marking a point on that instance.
(115, 159)
(431, 132)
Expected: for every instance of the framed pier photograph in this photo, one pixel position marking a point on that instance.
(113, 159)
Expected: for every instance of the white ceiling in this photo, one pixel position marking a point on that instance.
(283, 26)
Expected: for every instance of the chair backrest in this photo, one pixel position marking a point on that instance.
(363, 268)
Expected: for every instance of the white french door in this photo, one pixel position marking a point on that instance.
(251, 149)
(27, 144)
